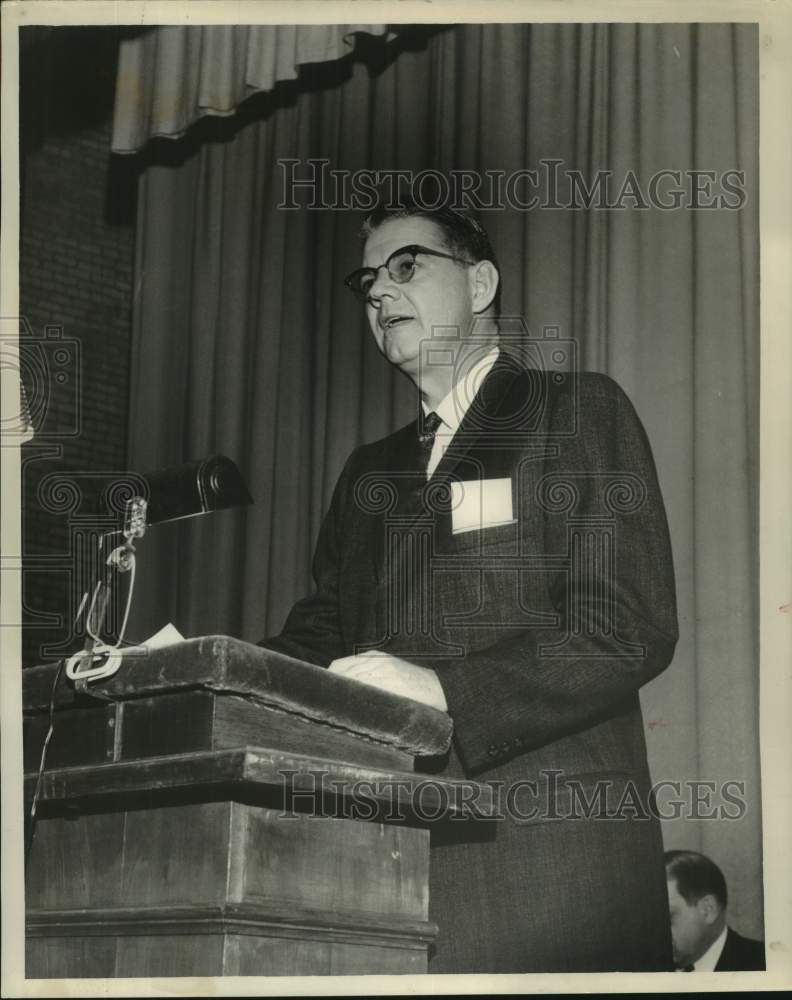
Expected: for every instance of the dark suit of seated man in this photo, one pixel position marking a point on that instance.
(697, 898)
(505, 558)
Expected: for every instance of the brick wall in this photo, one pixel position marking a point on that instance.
(76, 274)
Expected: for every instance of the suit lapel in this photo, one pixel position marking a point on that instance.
(400, 474)
(509, 403)
(479, 429)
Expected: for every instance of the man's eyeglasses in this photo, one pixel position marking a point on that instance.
(400, 265)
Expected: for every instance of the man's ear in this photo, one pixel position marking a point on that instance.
(485, 280)
(709, 908)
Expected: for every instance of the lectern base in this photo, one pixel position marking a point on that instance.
(216, 809)
(188, 942)
(225, 888)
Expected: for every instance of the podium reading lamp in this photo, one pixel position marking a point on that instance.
(172, 494)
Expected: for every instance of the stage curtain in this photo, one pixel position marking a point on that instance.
(247, 343)
(171, 75)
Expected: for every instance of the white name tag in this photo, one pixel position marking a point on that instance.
(481, 503)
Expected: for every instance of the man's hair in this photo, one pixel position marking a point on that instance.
(462, 234)
(696, 876)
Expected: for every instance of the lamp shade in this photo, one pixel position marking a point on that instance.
(195, 488)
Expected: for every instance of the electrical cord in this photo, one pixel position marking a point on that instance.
(42, 763)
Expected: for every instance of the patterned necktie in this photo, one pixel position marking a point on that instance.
(427, 428)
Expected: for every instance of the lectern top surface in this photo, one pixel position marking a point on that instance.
(229, 666)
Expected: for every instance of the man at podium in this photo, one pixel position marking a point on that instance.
(505, 558)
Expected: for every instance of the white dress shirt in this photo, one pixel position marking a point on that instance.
(454, 406)
(709, 959)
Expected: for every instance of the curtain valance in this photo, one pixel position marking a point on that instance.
(172, 75)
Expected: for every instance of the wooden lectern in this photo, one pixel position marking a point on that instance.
(219, 809)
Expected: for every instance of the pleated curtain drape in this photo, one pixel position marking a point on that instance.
(171, 75)
(247, 343)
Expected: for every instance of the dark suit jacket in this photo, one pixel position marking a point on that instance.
(741, 954)
(541, 632)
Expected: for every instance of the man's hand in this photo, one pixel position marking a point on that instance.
(390, 673)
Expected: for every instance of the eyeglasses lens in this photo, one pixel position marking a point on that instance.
(363, 283)
(401, 268)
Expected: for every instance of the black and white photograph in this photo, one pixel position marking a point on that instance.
(396, 477)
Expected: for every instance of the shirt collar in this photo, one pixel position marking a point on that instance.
(709, 959)
(454, 406)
